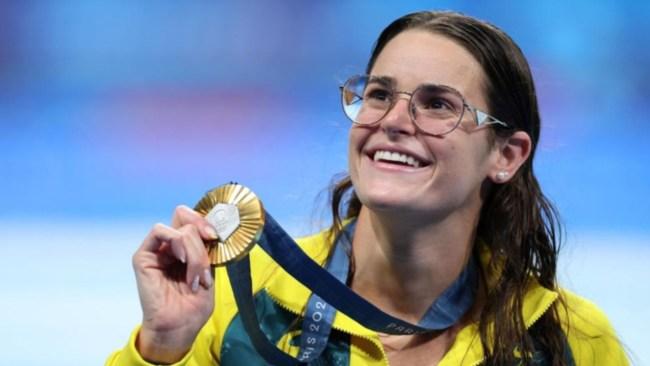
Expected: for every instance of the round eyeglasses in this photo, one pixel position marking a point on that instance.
(434, 109)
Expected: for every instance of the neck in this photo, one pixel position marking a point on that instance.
(402, 266)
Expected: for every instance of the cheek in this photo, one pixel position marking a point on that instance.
(353, 152)
(460, 161)
(356, 138)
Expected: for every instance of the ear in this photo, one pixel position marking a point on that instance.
(511, 152)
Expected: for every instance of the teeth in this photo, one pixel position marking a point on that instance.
(397, 157)
(410, 161)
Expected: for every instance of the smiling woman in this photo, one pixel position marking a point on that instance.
(450, 168)
(441, 223)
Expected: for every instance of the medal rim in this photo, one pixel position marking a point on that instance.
(252, 219)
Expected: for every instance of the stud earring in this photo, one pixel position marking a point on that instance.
(502, 176)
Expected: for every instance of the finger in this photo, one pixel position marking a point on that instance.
(161, 234)
(208, 278)
(184, 215)
(197, 258)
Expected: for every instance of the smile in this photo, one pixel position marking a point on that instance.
(395, 157)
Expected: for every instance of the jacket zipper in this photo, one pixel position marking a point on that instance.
(368, 338)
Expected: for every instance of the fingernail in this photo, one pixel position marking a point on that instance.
(211, 232)
(207, 278)
(195, 284)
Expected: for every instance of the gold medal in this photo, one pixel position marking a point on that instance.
(237, 215)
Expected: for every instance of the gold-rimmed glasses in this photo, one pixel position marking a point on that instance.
(434, 109)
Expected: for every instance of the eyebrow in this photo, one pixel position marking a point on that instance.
(391, 82)
(383, 80)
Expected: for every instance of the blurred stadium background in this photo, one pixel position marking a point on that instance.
(112, 113)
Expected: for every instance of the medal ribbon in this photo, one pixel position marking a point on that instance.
(444, 312)
(319, 315)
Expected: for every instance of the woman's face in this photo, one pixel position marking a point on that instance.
(452, 167)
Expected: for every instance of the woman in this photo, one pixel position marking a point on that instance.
(445, 126)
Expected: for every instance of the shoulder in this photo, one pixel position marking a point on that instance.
(590, 334)
(316, 245)
(580, 314)
(264, 268)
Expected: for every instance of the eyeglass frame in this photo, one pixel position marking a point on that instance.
(481, 118)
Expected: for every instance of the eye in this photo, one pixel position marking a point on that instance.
(436, 102)
(377, 94)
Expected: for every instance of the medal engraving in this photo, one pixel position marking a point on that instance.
(225, 219)
(238, 217)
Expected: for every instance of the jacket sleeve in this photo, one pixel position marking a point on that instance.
(591, 337)
(199, 354)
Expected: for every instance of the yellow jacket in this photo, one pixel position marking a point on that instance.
(280, 301)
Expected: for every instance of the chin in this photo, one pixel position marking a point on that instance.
(388, 203)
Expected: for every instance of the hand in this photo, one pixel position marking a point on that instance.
(174, 281)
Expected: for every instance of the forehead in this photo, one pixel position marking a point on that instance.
(415, 57)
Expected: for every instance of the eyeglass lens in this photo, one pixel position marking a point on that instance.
(434, 108)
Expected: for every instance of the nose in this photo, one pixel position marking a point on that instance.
(398, 120)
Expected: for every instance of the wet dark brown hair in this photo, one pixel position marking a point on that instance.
(517, 222)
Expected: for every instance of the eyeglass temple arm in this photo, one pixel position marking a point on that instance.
(483, 118)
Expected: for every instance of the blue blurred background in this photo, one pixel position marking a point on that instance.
(112, 113)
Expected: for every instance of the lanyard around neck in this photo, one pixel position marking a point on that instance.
(331, 291)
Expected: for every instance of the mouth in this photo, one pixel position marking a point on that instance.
(398, 158)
